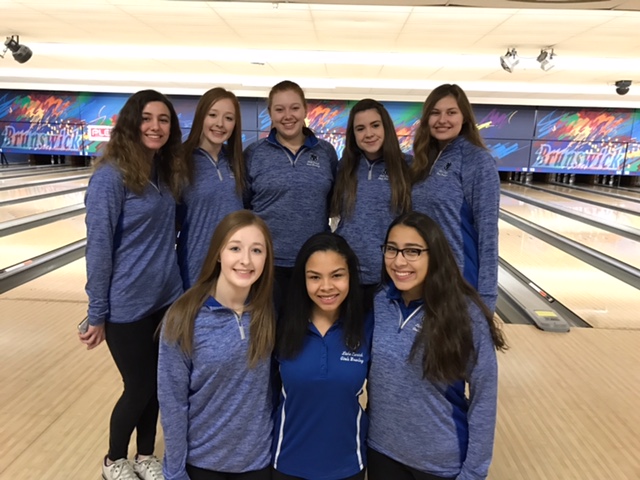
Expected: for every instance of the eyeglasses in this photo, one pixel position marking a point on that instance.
(411, 254)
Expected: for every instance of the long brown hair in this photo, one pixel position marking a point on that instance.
(180, 319)
(127, 152)
(425, 147)
(445, 342)
(234, 144)
(344, 194)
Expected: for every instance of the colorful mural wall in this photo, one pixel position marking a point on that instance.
(556, 140)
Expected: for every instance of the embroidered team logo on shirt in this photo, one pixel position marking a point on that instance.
(384, 176)
(444, 171)
(352, 357)
(313, 161)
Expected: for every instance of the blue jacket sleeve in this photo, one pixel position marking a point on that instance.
(247, 195)
(174, 372)
(104, 201)
(481, 185)
(483, 393)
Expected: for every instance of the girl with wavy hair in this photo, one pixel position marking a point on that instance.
(132, 271)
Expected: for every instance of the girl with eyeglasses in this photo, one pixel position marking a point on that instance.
(433, 338)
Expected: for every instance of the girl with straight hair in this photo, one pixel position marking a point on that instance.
(215, 360)
(217, 177)
(323, 351)
(290, 175)
(455, 182)
(433, 338)
(373, 186)
(132, 270)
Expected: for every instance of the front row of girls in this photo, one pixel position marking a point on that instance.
(221, 353)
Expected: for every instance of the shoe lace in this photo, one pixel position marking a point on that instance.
(153, 467)
(122, 471)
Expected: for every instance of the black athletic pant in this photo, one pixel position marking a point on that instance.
(196, 473)
(134, 348)
(281, 476)
(381, 467)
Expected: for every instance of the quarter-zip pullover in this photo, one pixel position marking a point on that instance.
(291, 192)
(462, 194)
(215, 410)
(430, 426)
(210, 197)
(132, 269)
(320, 427)
(366, 227)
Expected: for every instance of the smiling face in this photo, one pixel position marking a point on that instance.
(445, 120)
(288, 112)
(327, 278)
(407, 276)
(218, 125)
(369, 133)
(155, 127)
(242, 258)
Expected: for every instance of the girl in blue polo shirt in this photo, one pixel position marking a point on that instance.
(217, 173)
(433, 338)
(323, 346)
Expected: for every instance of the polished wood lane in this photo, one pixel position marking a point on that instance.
(568, 403)
(598, 298)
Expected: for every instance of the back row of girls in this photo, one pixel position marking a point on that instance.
(290, 180)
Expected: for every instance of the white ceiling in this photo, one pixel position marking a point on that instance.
(334, 49)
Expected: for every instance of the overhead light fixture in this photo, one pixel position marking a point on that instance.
(509, 60)
(21, 53)
(546, 59)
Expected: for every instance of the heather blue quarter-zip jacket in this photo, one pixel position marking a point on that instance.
(216, 412)
(291, 192)
(367, 226)
(462, 194)
(430, 426)
(132, 269)
(210, 197)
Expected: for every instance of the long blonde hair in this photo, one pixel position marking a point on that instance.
(180, 319)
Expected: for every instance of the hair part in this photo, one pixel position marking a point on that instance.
(286, 86)
(299, 306)
(344, 194)
(425, 147)
(127, 152)
(445, 342)
(234, 143)
(180, 319)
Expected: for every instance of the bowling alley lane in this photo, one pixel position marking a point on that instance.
(25, 192)
(25, 209)
(633, 207)
(603, 213)
(616, 246)
(35, 180)
(30, 243)
(632, 193)
(598, 298)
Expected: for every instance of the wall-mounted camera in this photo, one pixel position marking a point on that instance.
(622, 87)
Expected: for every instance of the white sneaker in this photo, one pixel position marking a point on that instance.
(118, 470)
(149, 469)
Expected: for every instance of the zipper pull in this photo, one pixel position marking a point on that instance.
(240, 327)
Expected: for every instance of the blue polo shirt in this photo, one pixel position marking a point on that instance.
(320, 427)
